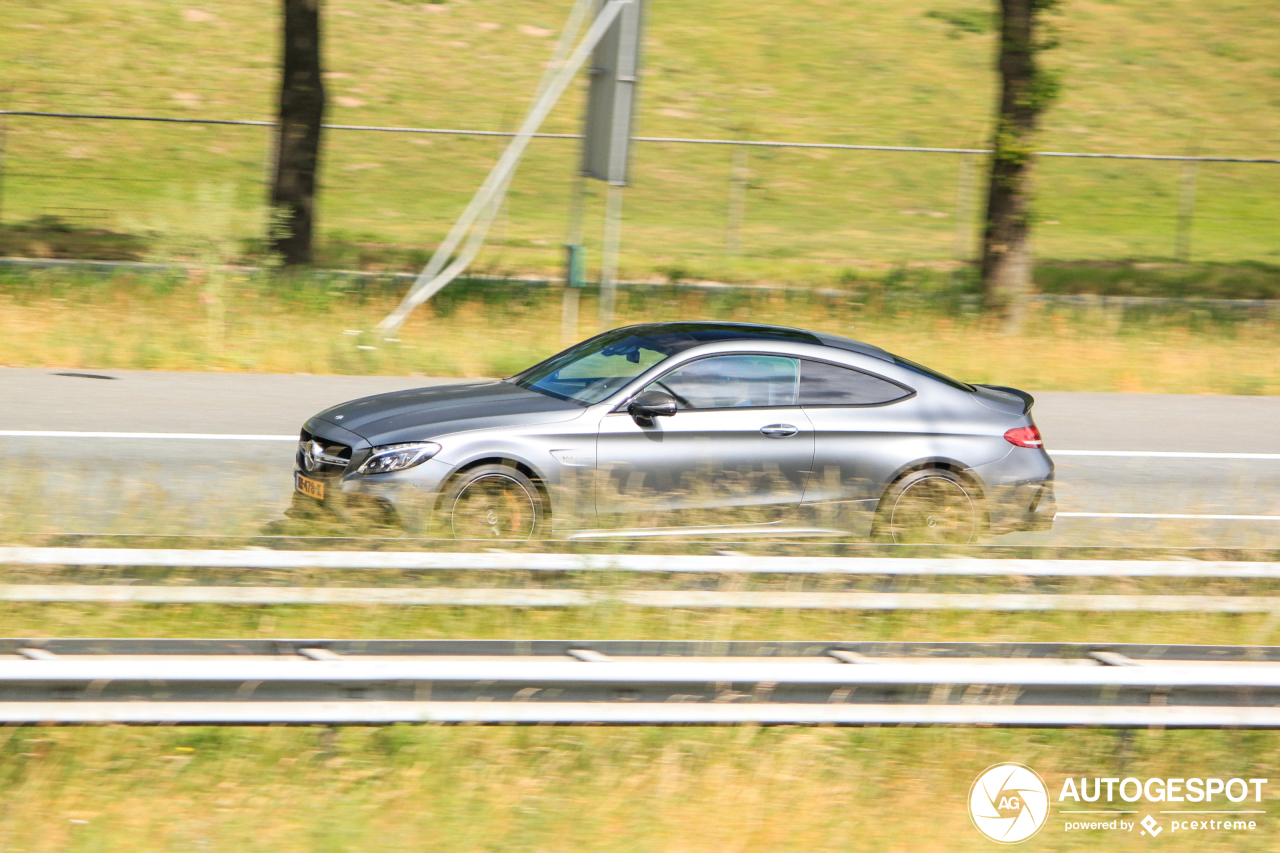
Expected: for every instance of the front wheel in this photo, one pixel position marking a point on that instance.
(931, 507)
(493, 502)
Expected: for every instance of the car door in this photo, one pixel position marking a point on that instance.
(737, 451)
(859, 421)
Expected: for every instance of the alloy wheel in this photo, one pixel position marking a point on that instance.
(494, 506)
(933, 510)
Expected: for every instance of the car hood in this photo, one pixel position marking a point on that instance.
(422, 413)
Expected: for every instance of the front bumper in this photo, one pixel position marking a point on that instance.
(347, 510)
(403, 499)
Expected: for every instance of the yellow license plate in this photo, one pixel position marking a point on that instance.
(309, 487)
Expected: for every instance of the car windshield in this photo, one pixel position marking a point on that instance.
(594, 369)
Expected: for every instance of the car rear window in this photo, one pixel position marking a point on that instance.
(931, 373)
(823, 384)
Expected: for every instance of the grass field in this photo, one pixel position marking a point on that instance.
(546, 789)
(1151, 76)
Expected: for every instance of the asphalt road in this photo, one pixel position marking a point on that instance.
(140, 485)
(142, 401)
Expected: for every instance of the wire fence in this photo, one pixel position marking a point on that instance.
(776, 200)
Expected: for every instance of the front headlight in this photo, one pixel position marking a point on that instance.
(397, 457)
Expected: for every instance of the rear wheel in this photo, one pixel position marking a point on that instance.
(930, 507)
(493, 502)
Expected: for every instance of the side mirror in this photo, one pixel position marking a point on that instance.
(649, 405)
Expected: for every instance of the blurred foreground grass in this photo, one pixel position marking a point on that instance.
(566, 790)
(220, 320)
(618, 622)
(580, 789)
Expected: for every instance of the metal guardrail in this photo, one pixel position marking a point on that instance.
(658, 598)
(400, 596)
(637, 683)
(641, 563)
(127, 590)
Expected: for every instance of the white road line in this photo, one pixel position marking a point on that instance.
(198, 436)
(1168, 515)
(186, 436)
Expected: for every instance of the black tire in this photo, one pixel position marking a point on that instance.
(492, 502)
(930, 507)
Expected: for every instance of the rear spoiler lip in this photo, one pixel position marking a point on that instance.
(1027, 400)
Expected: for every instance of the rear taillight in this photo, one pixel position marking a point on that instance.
(1027, 436)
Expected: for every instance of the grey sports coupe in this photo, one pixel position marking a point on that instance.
(688, 429)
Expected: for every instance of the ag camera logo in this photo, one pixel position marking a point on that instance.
(1008, 803)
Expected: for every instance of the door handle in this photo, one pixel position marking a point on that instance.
(779, 430)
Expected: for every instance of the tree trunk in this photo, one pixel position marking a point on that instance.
(298, 134)
(1025, 91)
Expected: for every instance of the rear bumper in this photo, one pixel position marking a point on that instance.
(1042, 510)
(1019, 491)
(1021, 507)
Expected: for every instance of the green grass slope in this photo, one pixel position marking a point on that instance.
(1150, 76)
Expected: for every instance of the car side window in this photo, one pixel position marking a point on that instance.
(823, 384)
(732, 382)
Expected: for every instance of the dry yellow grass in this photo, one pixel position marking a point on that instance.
(617, 790)
(238, 325)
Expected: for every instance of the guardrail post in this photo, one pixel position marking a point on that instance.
(737, 201)
(1186, 210)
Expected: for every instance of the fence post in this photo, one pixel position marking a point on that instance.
(964, 207)
(737, 200)
(269, 156)
(1186, 210)
(569, 315)
(573, 266)
(609, 254)
(4, 139)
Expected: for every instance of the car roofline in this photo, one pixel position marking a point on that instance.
(763, 346)
(820, 338)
